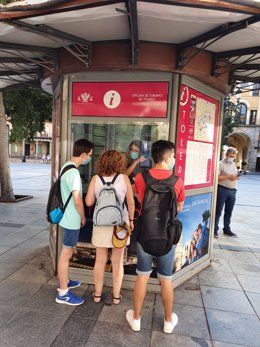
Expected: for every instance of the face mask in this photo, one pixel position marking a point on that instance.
(230, 160)
(171, 166)
(134, 155)
(85, 162)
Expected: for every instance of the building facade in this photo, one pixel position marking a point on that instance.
(246, 136)
(36, 149)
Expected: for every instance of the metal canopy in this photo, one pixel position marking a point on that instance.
(32, 31)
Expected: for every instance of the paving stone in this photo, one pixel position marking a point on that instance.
(30, 329)
(226, 299)
(219, 264)
(223, 344)
(233, 327)
(74, 332)
(15, 294)
(89, 310)
(6, 313)
(250, 283)
(189, 316)
(44, 301)
(222, 280)
(33, 273)
(169, 340)
(4, 249)
(188, 294)
(255, 301)
(105, 334)
(246, 269)
(116, 313)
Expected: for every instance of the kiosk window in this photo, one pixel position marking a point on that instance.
(117, 136)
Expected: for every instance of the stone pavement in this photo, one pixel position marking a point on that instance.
(219, 307)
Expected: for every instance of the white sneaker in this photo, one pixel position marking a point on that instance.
(135, 324)
(169, 326)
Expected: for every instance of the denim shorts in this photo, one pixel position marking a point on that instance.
(164, 263)
(70, 238)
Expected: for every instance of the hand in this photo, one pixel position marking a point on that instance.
(131, 224)
(141, 159)
(83, 221)
(233, 178)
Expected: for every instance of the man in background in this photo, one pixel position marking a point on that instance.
(226, 194)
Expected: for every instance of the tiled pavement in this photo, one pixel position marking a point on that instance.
(218, 307)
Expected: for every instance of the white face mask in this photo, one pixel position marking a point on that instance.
(230, 160)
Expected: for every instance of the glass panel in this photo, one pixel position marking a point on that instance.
(111, 136)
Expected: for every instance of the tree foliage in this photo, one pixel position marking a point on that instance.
(27, 110)
(231, 120)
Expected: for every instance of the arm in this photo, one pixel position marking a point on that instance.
(91, 197)
(130, 201)
(79, 206)
(228, 177)
(131, 168)
(180, 205)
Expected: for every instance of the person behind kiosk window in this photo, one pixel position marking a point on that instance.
(73, 219)
(133, 159)
(109, 164)
(226, 194)
(163, 157)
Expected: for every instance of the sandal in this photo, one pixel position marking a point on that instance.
(117, 299)
(96, 298)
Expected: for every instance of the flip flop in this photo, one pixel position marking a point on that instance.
(118, 299)
(97, 297)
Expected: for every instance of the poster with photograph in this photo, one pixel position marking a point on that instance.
(196, 140)
(194, 242)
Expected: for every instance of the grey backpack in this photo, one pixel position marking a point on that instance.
(108, 210)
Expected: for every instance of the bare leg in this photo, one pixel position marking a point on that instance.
(117, 272)
(63, 267)
(99, 269)
(139, 294)
(167, 298)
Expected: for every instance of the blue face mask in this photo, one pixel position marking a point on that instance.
(171, 166)
(134, 155)
(85, 162)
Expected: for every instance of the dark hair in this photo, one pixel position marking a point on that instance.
(82, 146)
(137, 143)
(160, 149)
(110, 162)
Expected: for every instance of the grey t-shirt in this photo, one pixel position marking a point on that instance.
(226, 168)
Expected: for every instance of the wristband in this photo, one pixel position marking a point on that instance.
(131, 220)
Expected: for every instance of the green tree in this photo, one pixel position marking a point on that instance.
(231, 120)
(27, 110)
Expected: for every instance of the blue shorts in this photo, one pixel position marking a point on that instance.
(70, 238)
(164, 263)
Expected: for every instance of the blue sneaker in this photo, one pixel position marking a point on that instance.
(69, 299)
(73, 284)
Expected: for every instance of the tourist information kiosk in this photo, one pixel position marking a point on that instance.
(113, 109)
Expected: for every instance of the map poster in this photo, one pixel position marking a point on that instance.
(196, 139)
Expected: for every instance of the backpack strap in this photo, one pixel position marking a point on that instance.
(108, 183)
(148, 179)
(67, 168)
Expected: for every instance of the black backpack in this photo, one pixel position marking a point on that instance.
(160, 228)
(55, 207)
